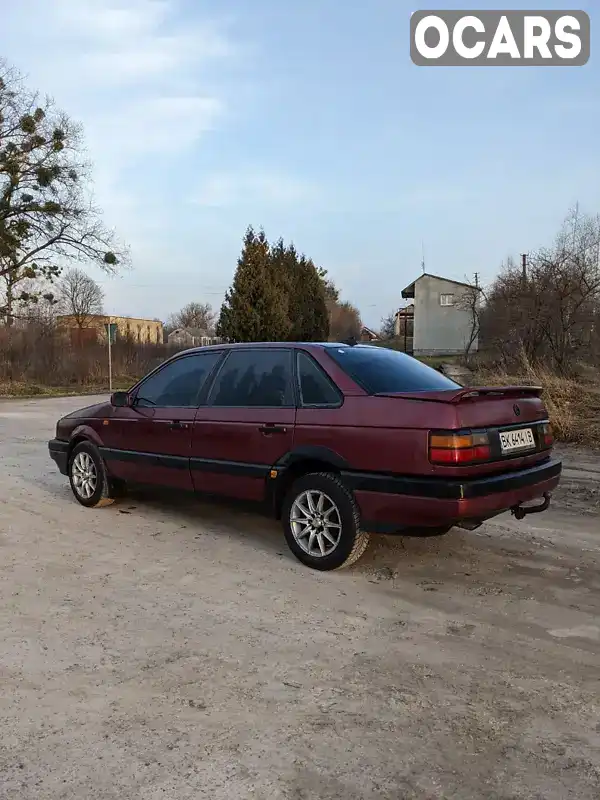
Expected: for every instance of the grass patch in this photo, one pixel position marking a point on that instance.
(573, 404)
(33, 390)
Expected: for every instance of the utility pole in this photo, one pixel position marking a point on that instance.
(109, 326)
(524, 262)
(477, 280)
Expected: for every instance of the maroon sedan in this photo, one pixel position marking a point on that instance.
(339, 441)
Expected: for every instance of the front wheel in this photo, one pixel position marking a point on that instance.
(321, 522)
(87, 476)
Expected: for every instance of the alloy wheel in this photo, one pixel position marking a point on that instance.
(84, 475)
(316, 523)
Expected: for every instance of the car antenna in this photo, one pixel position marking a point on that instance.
(351, 341)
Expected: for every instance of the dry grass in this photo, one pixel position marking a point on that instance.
(31, 390)
(39, 360)
(573, 403)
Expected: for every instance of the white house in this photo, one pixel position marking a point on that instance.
(443, 316)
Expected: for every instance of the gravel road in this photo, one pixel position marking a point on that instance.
(176, 650)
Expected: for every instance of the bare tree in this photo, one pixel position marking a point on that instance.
(193, 315)
(569, 273)
(47, 216)
(79, 296)
(344, 322)
(388, 326)
(548, 308)
(470, 300)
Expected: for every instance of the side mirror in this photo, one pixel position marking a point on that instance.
(120, 399)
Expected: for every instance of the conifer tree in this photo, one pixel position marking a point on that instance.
(254, 308)
(308, 308)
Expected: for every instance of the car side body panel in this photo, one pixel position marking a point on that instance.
(151, 446)
(232, 450)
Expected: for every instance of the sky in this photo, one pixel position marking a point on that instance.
(307, 118)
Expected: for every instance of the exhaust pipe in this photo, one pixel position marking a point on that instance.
(520, 512)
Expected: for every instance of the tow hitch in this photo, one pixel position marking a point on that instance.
(520, 512)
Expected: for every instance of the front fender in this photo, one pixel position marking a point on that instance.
(84, 431)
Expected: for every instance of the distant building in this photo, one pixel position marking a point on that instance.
(192, 337)
(368, 335)
(403, 321)
(442, 322)
(138, 330)
(403, 327)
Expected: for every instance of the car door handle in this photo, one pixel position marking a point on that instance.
(177, 426)
(268, 429)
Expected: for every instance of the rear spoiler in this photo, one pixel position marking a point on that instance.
(468, 393)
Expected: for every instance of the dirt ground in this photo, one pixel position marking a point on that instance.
(176, 650)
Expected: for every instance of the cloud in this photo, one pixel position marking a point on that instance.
(156, 125)
(149, 80)
(134, 72)
(249, 188)
(436, 195)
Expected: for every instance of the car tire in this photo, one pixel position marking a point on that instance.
(315, 510)
(88, 476)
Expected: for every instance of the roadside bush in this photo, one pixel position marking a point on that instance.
(39, 358)
(573, 403)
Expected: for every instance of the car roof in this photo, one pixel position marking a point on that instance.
(267, 345)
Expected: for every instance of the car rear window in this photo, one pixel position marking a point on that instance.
(379, 370)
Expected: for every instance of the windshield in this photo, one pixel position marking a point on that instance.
(380, 370)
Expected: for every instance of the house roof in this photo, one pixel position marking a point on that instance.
(197, 333)
(369, 331)
(410, 289)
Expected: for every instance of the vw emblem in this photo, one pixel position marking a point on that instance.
(517, 410)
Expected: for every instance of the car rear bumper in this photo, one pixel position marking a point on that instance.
(59, 453)
(387, 504)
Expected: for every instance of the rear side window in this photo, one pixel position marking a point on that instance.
(260, 378)
(178, 383)
(316, 388)
(379, 370)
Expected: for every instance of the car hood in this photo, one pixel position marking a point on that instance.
(97, 410)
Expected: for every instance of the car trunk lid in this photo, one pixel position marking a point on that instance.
(486, 406)
(512, 419)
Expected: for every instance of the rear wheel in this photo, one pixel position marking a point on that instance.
(321, 522)
(87, 476)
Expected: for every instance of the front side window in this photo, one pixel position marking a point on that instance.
(254, 378)
(316, 388)
(382, 371)
(178, 383)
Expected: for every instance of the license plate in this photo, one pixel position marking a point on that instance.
(521, 439)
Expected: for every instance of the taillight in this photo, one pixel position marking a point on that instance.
(458, 448)
(546, 435)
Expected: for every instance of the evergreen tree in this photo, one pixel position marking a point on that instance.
(281, 261)
(310, 316)
(254, 307)
(305, 292)
(332, 293)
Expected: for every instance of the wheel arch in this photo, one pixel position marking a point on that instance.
(83, 433)
(298, 462)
